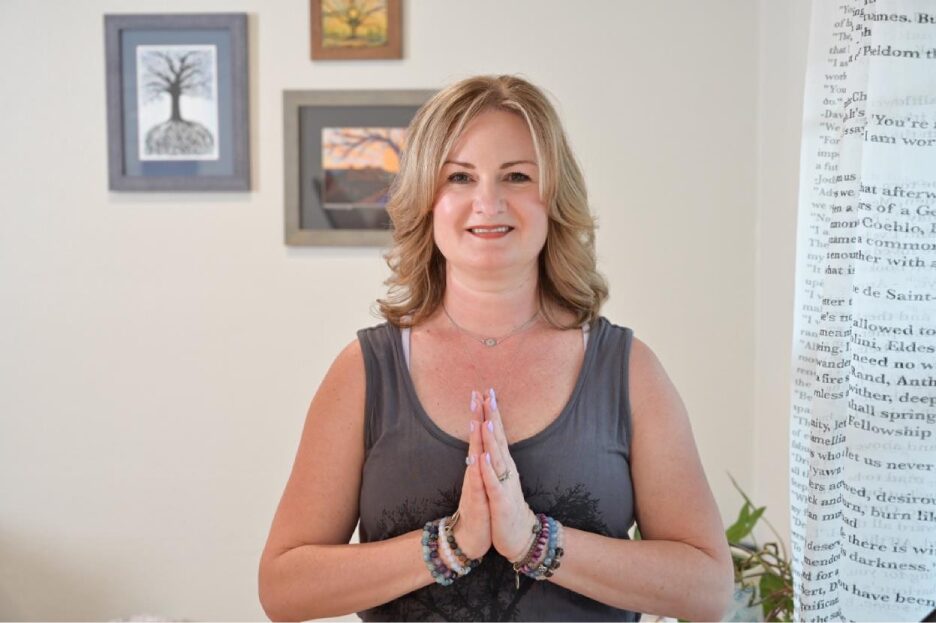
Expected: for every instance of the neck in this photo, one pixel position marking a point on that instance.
(491, 307)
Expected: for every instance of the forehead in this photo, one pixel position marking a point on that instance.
(496, 129)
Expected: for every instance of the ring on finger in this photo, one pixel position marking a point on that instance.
(504, 476)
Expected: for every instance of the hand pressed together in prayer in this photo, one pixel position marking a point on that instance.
(492, 509)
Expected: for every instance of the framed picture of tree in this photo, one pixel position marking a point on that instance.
(342, 151)
(177, 102)
(356, 29)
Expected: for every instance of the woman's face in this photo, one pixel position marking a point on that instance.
(488, 214)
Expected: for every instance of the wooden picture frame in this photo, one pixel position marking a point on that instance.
(177, 102)
(335, 181)
(356, 29)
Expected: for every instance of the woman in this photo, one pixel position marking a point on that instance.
(495, 389)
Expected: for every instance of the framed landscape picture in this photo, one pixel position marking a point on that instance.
(342, 152)
(177, 117)
(356, 29)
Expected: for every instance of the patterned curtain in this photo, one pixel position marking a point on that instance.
(863, 429)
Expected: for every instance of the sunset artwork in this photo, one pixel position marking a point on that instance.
(359, 165)
(354, 23)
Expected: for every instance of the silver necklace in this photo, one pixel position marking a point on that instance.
(491, 341)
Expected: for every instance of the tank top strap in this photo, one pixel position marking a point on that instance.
(385, 396)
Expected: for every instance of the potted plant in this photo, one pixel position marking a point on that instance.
(763, 573)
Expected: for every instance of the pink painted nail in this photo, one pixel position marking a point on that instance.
(493, 399)
(487, 457)
(490, 426)
(474, 401)
(471, 459)
(471, 425)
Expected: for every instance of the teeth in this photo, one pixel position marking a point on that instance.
(490, 230)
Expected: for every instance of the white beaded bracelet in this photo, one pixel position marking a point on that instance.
(447, 555)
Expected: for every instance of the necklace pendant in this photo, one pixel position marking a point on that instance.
(490, 341)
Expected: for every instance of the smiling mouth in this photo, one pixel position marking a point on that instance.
(481, 231)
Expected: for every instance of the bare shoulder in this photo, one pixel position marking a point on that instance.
(348, 367)
(341, 394)
(650, 385)
(320, 502)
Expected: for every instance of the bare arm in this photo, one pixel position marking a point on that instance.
(308, 570)
(682, 567)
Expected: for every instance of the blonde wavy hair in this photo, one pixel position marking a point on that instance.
(568, 278)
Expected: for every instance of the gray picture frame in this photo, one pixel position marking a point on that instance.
(230, 171)
(304, 113)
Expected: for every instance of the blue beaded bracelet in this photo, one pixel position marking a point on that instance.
(430, 546)
(539, 573)
(437, 566)
(540, 564)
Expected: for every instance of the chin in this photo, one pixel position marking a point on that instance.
(494, 262)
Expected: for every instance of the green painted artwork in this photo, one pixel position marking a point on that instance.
(354, 23)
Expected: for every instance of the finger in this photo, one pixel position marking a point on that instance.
(493, 447)
(492, 414)
(491, 485)
(499, 467)
(474, 424)
(475, 448)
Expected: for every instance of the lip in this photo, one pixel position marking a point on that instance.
(491, 235)
(510, 228)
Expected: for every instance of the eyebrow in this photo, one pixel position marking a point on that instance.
(506, 165)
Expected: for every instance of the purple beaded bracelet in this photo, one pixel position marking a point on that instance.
(542, 559)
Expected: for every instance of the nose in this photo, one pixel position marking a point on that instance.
(488, 200)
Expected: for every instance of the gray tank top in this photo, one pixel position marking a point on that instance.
(576, 469)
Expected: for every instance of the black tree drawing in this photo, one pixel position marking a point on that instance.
(176, 73)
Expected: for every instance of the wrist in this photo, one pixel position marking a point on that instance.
(465, 544)
(531, 527)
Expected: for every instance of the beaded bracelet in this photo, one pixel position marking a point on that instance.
(430, 546)
(444, 571)
(544, 554)
(463, 560)
(553, 553)
(522, 565)
(447, 554)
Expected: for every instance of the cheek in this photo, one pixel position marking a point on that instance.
(444, 222)
(445, 208)
(539, 222)
(449, 214)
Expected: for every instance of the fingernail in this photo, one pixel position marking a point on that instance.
(474, 401)
(471, 459)
(490, 426)
(471, 425)
(487, 457)
(493, 399)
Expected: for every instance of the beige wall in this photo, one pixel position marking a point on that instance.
(158, 351)
(782, 47)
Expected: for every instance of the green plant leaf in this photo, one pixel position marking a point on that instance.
(744, 524)
(772, 591)
(736, 531)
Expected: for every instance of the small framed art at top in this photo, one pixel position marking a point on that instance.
(356, 29)
(177, 116)
(342, 152)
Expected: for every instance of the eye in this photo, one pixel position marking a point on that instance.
(459, 178)
(516, 176)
